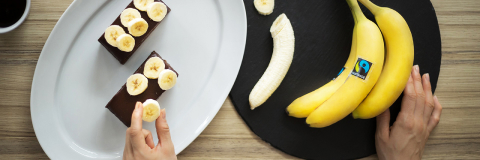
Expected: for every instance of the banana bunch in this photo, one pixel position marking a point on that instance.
(136, 25)
(367, 87)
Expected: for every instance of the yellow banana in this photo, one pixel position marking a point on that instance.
(303, 106)
(398, 63)
(370, 55)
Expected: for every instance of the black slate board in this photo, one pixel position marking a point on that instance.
(323, 32)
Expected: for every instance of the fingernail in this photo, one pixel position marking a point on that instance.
(416, 68)
(164, 113)
(435, 97)
(427, 76)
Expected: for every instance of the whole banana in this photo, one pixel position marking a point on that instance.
(367, 69)
(398, 63)
(303, 106)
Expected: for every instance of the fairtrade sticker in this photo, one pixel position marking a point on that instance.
(362, 67)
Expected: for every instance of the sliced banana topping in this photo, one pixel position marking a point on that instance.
(125, 42)
(157, 11)
(153, 67)
(112, 33)
(128, 15)
(167, 79)
(151, 110)
(137, 27)
(136, 84)
(142, 4)
(264, 7)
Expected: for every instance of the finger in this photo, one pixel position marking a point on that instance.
(408, 100)
(383, 125)
(163, 131)
(435, 117)
(136, 123)
(148, 138)
(429, 104)
(420, 103)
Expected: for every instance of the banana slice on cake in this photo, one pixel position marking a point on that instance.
(125, 42)
(151, 110)
(167, 79)
(142, 4)
(128, 15)
(264, 7)
(157, 11)
(153, 67)
(137, 27)
(112, 33)
(136, 84)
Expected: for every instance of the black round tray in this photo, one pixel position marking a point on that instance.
(323, 32)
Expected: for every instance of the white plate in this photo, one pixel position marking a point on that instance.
(75, 77)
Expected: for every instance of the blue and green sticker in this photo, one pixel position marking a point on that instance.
(362, 68)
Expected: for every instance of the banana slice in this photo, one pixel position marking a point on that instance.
(137, 27)
(153, 67)
(264, 7)
(112, 33)
(167, 79)
(142, 4)
(128, 15)
(156, 11)
(151, 110)
(136, 84)
(125, 42)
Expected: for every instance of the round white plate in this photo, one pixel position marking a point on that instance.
(75, 77)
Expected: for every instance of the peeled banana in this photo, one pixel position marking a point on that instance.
(283, 48)
(142, 4)
(136, 84)
(112, 33)
(156, 11)
(167, 79)
(153, 67)
(125, 42)
(137, 27)
(365, 73)
(128, 15)
(151, 110)
(398, 63)
(264, 7)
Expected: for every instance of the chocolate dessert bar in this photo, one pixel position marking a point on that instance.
(122, 56)
(123, 104)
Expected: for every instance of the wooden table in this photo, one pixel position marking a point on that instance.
(227, 137)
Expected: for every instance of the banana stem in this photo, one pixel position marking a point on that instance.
(357, 12)
(371, 6)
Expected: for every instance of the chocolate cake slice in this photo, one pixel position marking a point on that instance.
(122, 56)
(123, 104)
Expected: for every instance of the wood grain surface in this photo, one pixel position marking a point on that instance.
(227, 137)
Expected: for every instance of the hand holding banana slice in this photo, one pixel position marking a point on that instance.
(264, 7)
(136, 84)
(157, 11)
(125, 42)
(128, 15)
(112, 33)
(137, 27)
(151, 110)
(153, 67)
(142, 4)
(167, 79)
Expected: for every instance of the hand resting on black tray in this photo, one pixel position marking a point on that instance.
(419, 115)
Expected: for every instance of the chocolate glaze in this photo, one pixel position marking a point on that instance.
(122, 56)
(123, 104)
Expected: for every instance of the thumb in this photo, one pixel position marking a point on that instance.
(163, 131)
(383, 125)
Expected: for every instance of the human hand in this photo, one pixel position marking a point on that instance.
(139, 142)
(420, 113)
